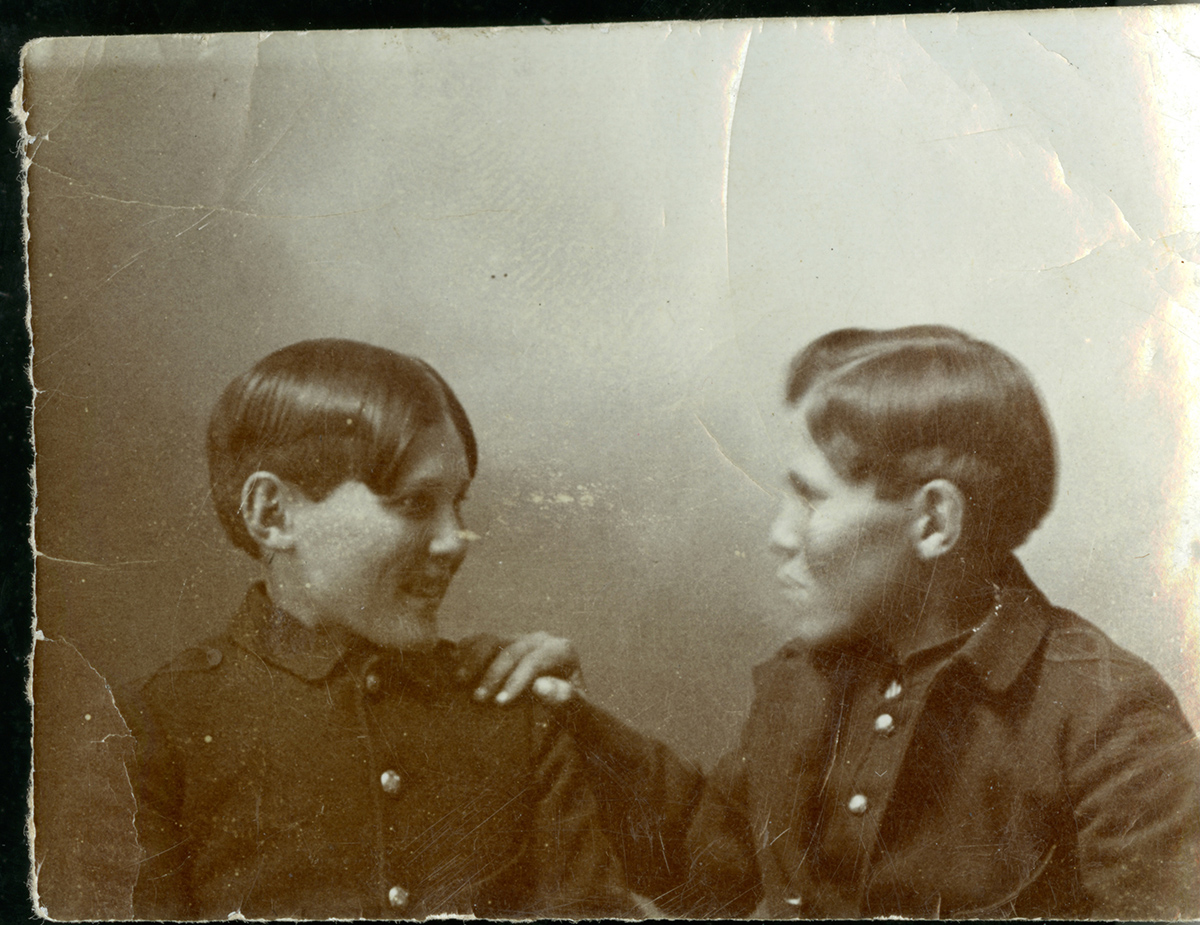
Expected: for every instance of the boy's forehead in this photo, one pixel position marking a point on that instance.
(792, 431)
(436, 454)
(807, 463)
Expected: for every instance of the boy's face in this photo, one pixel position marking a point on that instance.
(845, 551)
(380, 565)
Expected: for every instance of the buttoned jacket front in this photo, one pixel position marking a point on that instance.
(282, 774)
(1034, 769)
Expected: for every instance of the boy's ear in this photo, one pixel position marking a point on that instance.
(266, 511)
(939, 510)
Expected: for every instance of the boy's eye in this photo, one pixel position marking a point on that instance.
(418, 505)
(423, 504)
(803, 492)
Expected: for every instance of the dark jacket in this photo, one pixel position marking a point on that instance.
(281, 774)
(1029, 768)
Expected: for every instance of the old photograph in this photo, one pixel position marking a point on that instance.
(699, 469)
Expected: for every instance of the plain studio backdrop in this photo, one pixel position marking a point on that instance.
(610, 241)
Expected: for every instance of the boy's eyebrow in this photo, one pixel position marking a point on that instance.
(802, 486)
(428, 483)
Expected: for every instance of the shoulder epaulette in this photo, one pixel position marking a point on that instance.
(1076, 644)
(199, 658)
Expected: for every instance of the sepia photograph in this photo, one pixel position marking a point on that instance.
(746, 468)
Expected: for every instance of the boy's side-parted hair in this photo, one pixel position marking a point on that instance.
(900, 407)
(322, 412)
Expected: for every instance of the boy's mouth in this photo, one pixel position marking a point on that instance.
(431, 587)
(787, 579)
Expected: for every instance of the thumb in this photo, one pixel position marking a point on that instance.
(554, 691)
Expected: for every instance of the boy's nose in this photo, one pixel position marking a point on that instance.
(448, 539)
(784, 536)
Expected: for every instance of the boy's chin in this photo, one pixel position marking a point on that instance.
(819, 629)
(411, 625)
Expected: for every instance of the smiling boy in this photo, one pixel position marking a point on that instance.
(324, 757)
(938, 739)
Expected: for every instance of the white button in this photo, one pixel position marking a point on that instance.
(857, 804)
(390, 781)
(398, 897)
(884, 723)
(793, 900)
(893, 691)
(372, 683)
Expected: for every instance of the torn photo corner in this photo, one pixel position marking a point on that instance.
(609, 241)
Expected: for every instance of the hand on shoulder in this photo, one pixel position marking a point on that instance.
(539, 662)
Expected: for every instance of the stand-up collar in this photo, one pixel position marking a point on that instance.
(313, 654)
(1005, 642)
(1017, 618)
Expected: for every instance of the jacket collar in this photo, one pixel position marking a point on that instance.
(280, 639)
(997, 651)
(1004, 643)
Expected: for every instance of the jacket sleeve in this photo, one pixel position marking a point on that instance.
(161, 890)
(685, 841)
(567, 868)
(1133, 774)
(723, 878)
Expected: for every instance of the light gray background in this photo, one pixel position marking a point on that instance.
(610, 241)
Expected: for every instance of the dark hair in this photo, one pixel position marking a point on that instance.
(900, 407)
(322, 412)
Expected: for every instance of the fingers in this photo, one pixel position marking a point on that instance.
(537, 654)
(528, 658)
(521, 679)
(477, 653)
(500, 668)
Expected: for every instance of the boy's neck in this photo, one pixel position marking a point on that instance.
(295, 607)
(955, 598)
(280, 588)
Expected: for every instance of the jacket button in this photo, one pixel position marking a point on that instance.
(398, 897)
(893, 691)
(884, 723)
(857, 804)
(372, 682)
(389, 780)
